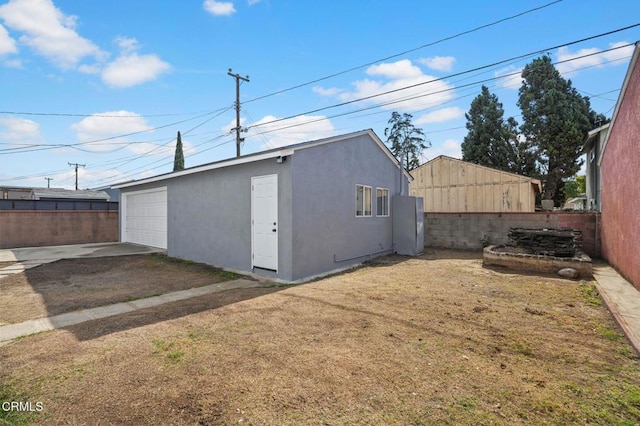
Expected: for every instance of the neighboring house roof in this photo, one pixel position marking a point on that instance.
(17, 188)
(15, 192)
(273, 153)
(82, 194)
(579, 200)
(537, 185)
(591, 136)
(627, 78)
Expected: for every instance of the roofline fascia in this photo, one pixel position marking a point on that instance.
(478, 165)
(627, 78)
(264, 156)
(204, 168)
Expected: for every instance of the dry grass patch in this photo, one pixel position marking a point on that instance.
(430, 340)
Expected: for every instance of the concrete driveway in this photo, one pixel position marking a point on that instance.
(50, 253)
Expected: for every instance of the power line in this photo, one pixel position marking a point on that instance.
(53, 146)
(421, 95)
(457, 74)
(126, 160)
(408, 98)
(478, 28)
(76, 166)
(405, 52)
(67, 114)
(238, 78)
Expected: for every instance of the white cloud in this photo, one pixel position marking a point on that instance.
(513, 77)
(90, 69)
(111, 124)
(107, 125)
(219, 8)
(7, 44)
(439, 63)
(444, 114)
(127, 44)
(130, 69)
(398, 77)
(13, 63)
(331, 91)
(597, 57)
(17, 129)
(48, 32)
(287, 132)
(403, 69)
(449, 147)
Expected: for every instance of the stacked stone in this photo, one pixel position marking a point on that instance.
(550, 242)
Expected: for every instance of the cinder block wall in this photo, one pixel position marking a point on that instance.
(56, 227)
(467, 230)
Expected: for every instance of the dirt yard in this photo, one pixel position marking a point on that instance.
(69, 285)
(431, 340)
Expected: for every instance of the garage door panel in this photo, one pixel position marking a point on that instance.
(145, 217)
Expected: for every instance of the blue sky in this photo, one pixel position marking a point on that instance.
(109, 84)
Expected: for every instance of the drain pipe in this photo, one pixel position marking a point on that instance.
(401, 174)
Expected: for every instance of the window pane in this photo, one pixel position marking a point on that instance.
(359, 200)
(386, 202)
(382, 201)
(367, 201)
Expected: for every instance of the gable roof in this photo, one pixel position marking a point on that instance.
(591, 136)
(534, 182)
(264, 155)
(627, 78)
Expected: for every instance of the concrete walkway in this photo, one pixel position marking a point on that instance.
(13, 331)
(75, 251)
(31, 257)
(622, 299)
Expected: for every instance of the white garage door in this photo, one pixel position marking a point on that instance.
(144, 216)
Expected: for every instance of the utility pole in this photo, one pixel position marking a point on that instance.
(77, 165)
(48, 182)
(238, 78)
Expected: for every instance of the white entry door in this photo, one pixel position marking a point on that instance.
(264, 222)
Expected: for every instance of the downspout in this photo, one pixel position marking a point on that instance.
(402, 192)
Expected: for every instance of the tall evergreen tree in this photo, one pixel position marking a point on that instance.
(556, 121)
(486, 143)
(405, 141)
(522, 157)
(178, 158)
(494, 142)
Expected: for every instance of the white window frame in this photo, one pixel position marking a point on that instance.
(386, 204)
(364, 201)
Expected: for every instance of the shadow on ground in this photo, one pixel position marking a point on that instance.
(170, 311)
(72, 285)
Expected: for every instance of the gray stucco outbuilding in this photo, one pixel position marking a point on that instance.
(289, 213)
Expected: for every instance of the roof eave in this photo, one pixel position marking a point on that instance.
(627, 77)
(282, 152)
